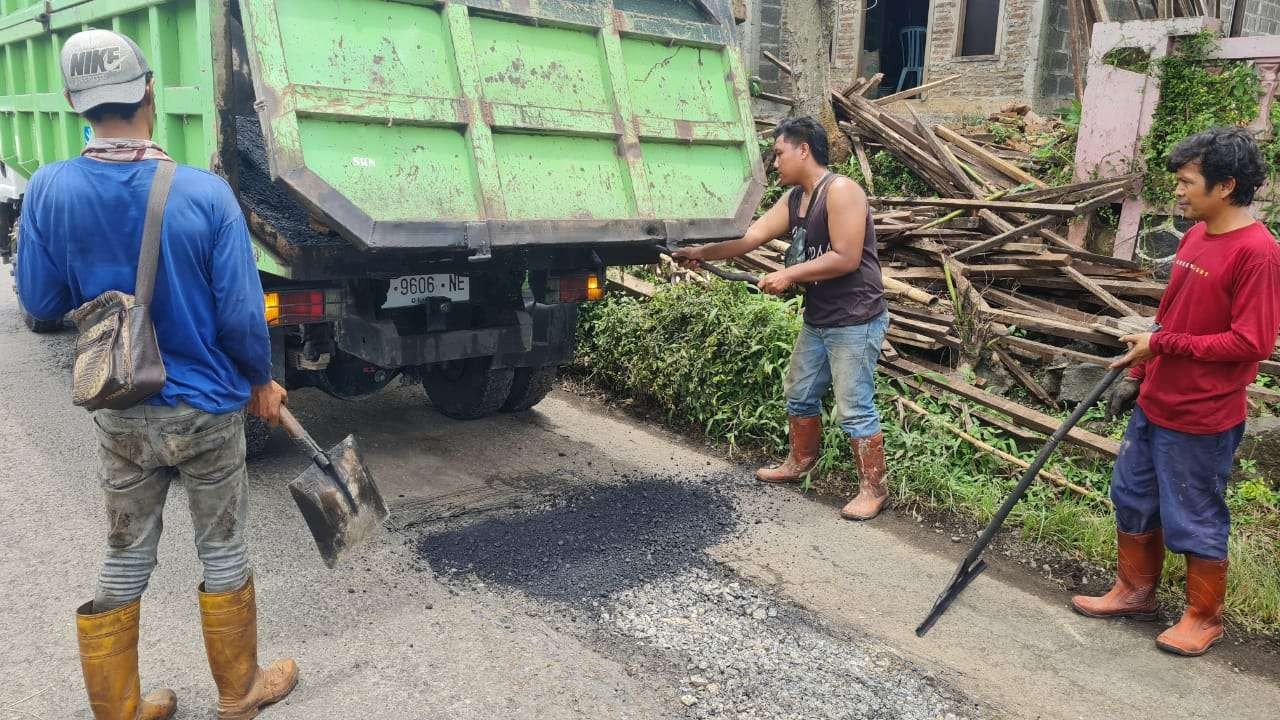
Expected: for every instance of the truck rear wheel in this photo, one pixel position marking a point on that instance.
(38, 326)
(530, 386)
(468, 389)
(34, 325)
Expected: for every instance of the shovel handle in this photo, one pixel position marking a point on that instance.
(303, 438)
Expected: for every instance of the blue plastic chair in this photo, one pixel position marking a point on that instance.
(913, 39)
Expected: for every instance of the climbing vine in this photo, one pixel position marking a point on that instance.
(1198, 93)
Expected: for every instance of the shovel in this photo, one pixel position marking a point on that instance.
(336, 495)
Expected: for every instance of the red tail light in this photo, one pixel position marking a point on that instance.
(295, 307)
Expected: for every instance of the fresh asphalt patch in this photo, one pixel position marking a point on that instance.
(626, 566)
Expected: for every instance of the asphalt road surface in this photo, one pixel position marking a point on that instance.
(569, 562)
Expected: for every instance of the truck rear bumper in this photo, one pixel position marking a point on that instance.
(543, 336)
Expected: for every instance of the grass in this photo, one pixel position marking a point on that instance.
(714, 358)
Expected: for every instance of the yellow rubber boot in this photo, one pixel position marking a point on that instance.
(230, 623)
(109, 659)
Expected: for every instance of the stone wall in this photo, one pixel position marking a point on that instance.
(767, 15)
(1056, 82)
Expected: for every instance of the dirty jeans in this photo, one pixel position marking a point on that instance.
(140, 448)
(1172, 480)
(843, 358)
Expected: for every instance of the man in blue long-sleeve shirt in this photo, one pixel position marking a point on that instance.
(81, 234)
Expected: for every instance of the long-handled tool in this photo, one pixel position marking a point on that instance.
(730, 275)
(336, 494)
(973, 564)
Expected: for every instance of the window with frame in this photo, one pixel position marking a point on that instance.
(979, 27)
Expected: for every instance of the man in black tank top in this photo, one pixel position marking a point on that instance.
(828, 222)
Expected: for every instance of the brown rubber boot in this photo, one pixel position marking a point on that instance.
(806, 436)
(230, 623)
(109, 658)
(872, 490)
(1201, 625)
(1138, 565)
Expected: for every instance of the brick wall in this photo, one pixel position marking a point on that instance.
(847, 41)
(983, 81)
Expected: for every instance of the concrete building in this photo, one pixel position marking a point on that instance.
(1003, 50)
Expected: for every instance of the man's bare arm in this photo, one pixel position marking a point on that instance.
(773, 224)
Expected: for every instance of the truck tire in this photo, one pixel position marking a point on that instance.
(38, 326)
(468, 389)
(530, 386)
(256, 436)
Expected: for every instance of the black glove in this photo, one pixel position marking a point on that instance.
(1122, 397)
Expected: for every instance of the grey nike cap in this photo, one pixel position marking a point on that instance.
(101, 67)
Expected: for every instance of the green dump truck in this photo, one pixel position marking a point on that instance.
(432, 187)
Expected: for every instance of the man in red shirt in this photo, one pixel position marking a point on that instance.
(1218, 318)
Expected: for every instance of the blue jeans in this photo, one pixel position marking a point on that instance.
(843, 358)
(1172, 480)
(137, 447)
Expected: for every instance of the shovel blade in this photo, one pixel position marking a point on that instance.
(335, 523)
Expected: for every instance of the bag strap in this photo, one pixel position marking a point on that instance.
(149, 257)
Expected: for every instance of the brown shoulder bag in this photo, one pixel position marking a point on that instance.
(117, 359)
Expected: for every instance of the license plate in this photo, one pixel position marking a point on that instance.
(413, 290)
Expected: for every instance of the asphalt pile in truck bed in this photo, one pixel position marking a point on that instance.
(273, 214)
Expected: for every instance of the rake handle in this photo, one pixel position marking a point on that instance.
(730, 275)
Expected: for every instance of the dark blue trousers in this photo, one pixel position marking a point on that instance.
(1176, 481)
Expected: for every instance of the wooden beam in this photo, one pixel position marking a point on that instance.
(944, 157)
(1038, 306)
(1043, 259)
(1015, 270)
(1025, 416)
(907, 94)
(872, 84)
(780, 99)
(1054, 327)
(1121, 288)
(864, 163)
(972, 204)
(1016, 233)
(1024, 377)
(1099, 292)
(777, 62)
(897, 287)
(630, 283)
(1047, 353)
(1012, 171)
